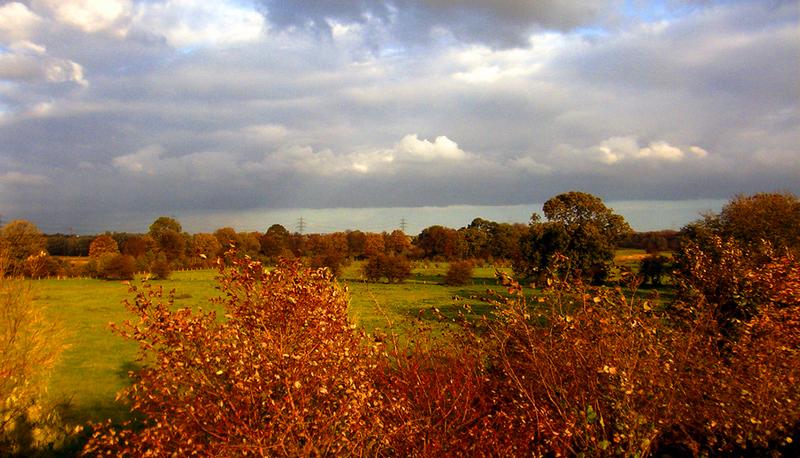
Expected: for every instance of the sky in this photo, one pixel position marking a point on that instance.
(354, 114)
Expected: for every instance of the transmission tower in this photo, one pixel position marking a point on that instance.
(301, 225)
(403, 225)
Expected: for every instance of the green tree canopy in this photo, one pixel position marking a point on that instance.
(168, 235)
(580, 227)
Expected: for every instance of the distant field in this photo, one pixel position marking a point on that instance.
(96, 364)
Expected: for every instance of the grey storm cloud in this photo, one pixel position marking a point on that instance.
(500, 23)
(169, 105)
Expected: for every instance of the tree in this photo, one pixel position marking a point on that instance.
(20, 240)
(580, 227)
(440, 242)
(165, 224)
(653, 268)
(374, 244)
(397, 242)
(506, 240)
(773, 217)
(205, 247)
(101, 245)
(356, 243)
(136, 246)
(249, 243)
(227, 236)
(274, 242)
(478, 238)
(169, 237)
(721, 254)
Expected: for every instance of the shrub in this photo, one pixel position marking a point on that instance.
(653, 268)
(395, 268)
(459, 273)
(117, 266)
(597, 372)
(577, 371)
(330, 260)
(284, 374)
(29, 348)
(160, 269)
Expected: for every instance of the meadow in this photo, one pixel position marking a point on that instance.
(94, 367)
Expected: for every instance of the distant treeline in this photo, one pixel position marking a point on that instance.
(652, 241)
(472, 241)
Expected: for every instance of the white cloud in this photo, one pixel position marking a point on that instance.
(661, 151)
(189, 23)
(17, 22)
(26, 61)
(90, 16)
(616, 149)
(409, 153)
(482, 64)
(143, 161)
(411, 147)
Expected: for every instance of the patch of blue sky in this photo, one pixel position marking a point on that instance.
(592, 32)
(660, 10)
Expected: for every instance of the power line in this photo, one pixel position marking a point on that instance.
(301, 225)
(403, 224)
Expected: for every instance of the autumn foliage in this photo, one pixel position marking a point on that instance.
(283, 374)
(577, 370)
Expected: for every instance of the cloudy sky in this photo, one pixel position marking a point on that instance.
(111, 109)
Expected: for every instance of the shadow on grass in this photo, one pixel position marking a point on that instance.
(128, 370)
(85, 414)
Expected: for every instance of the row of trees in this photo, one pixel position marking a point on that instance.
(576, 225)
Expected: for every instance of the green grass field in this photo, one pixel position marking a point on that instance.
(95, 365)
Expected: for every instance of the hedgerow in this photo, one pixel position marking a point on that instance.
(577, 370)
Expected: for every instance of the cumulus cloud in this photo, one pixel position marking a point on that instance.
(17, 22)
(181, 23)
(618, 149)
(442, 147)
(26, 61)
(90, 16)
(189, 23)
(410, 152)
